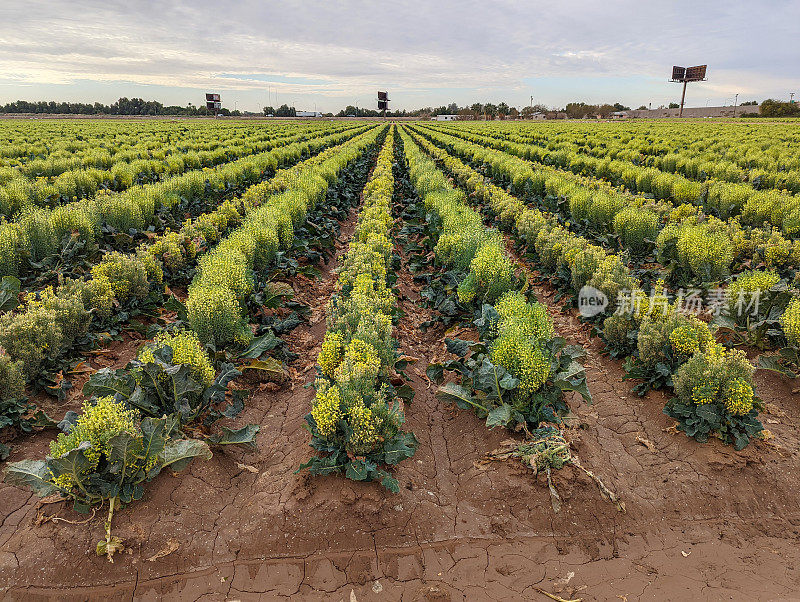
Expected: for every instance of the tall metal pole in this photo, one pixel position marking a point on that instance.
(735, 100)
(683, 97)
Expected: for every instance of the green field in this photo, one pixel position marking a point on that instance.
(164, 283)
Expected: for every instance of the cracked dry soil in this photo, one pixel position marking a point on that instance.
(702, 522)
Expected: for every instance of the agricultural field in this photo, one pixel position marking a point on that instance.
(368, 360)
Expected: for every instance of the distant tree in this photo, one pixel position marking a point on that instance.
(477, 107)
(136, 106)
(269, 110)
(503, 110)
(674, 105)
(642, 108)
(285, 111)
(605, 110)
(452, 109)
(358, 112)
(490, 110)
(423, 113)
(513, 113)
(775, 108)
(749, 103)
(528, 111)
(621, 107)
(580, 110)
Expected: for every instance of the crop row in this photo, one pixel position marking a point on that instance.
(755, 207)
(517, 375)
(697, 248)
(133, 426)
(39, 234)
(761, 155)
(20, 193)
(356, 416)
(713, 386)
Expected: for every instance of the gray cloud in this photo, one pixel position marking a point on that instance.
(423, 52)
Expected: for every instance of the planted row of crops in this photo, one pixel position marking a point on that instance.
(356, 417)
(43, 234)
(693, 247)
(474, 218)
(753, 207)
(158, 411)
(764, 155)
(517, 374)
(38, 337)
(713, 385)
(19, 192)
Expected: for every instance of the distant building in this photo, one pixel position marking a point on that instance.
(538, 115)
(308, 113)
(660, 112)
(619, 115)
(446, 117)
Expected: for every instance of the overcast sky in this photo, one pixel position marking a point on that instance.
(330, 54)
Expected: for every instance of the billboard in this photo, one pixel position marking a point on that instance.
(689, 74)
(696, 74)
(678, 73)
(213, 101)
(383, 101)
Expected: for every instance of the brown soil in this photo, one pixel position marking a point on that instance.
(702, 521)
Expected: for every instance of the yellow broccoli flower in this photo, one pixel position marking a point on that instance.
(326, 411)
(331, 354)
(739, 397)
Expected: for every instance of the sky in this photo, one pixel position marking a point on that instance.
(326, 55)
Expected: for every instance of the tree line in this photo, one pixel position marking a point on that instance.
(488, 110)
(123, 106)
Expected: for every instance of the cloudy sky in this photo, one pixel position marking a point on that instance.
(330, 54)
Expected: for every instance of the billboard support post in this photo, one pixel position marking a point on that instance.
(685, 75)
(683, 98)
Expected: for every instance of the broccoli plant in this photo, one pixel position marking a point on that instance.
(106, 455)
(519, 373)
(173, 376)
